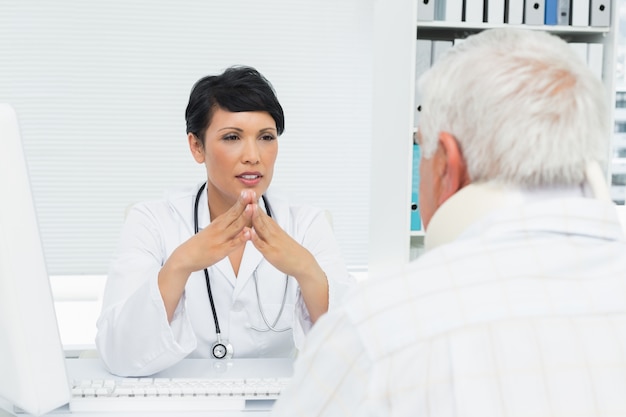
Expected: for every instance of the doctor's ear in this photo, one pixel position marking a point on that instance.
(196, 147)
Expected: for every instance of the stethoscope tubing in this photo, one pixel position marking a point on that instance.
(270, 327)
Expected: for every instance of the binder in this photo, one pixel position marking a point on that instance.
(580, 12)
(423, 56)
(426, 10)
(600, 13)
(515, 12)
(439, 48)
(440, 9)
(551, 12)
(416, 220)
(564, 13)
(580, 49)
(534, 12)
(495, 11)
(474, 11)
(450, 10)
(595, 58)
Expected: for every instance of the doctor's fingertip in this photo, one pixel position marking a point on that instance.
(248, 195)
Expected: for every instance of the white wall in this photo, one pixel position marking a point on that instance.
(393, 89)
(100, 89)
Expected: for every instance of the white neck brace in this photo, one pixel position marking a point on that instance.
(476, 200)
(463, 208)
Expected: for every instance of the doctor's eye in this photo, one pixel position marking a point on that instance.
(230, 136)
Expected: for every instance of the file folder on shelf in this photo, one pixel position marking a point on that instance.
(495, 11)
(423, 54)
(600, 13)
(534, 12)
(449, 10)
(580, 12)
(439, 48)
(426, 10)
(563, 17)
(592, 54)
(416, 220)
(552, 12)
(515, 12)
(474, 11)
(557, 12)
(595, 58)
(580, 49)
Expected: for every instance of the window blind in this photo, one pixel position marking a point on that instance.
(100, 89)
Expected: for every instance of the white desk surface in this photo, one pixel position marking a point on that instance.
(192, 368)
(189, 368)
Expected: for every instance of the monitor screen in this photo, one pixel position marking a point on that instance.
(33, 377)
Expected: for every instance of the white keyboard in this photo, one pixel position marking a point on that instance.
(175, 394)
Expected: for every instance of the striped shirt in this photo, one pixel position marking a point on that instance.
(524, 314)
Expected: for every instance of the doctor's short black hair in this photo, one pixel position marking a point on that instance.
(238, 89)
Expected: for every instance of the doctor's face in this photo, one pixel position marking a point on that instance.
(239, 153)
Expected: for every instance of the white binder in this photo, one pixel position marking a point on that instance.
(595, 58)
(515, 13)
(600, 13)
(534, 12)
(563, 17)
(580, 49)
(426, 10)
(423, 56)
(474, 11)
(580, 12)
(439, 48)
(495, 11)
(449, 10)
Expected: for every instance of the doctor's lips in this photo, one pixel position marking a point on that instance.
(250, 178)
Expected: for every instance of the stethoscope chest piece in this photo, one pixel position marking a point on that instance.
(222, 350)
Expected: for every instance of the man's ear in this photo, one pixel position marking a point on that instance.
(454, 175)
(196, 148)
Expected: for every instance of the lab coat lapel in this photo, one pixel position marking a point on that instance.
(182, 203)
(251, 255)
(280, 210)
(223, 266)
(249, 262)
(225, 270)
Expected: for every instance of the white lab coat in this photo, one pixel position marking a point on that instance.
(134, 336)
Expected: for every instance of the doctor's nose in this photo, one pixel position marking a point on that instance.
(251, 154)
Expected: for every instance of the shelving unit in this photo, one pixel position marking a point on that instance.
(396, 29)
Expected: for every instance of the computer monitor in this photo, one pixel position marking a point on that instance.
(33, 377)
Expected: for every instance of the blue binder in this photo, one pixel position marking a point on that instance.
(416, 220)
(552, 12)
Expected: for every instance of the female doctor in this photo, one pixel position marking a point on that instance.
(225, 268)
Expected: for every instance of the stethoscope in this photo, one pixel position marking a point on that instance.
(222, 349)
